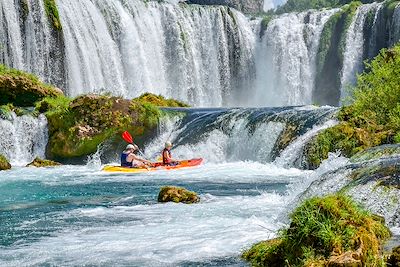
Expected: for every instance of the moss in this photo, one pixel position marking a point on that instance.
(324, 232)
(23, 89)
(38, 162)
(4, 164)
(52, 14)
(177, 195)
(159, 100)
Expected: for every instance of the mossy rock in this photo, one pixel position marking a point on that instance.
(159, 101)
(23, 89)
(38, 162)
(53, 14)
(376, 153)
(177, 195)
(328, 231)
(4, 164)
(394, 258)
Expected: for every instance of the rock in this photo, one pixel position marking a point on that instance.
(177, 194)
(347, 259)
(394, 259)
(37, 162)
(246, 6)
(23, 89)
(4, 164)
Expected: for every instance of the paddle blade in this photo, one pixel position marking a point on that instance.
(127, 137)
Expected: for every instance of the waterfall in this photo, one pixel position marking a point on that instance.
(201, 55)
(286, 58)
(395, 27)
(354, 51)
(23, 138)
(27, 41)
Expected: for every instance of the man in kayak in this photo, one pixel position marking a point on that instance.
(167, 156)
(131, 160)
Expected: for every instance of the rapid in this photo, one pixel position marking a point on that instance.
(79, 215)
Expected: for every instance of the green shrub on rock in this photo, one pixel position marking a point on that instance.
(372, 119)
(159, 101)
(23, 89)
(52, 14)
(4, 164)
(177, 194)
(328, 231)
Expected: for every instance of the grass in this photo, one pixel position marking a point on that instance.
(321, 230)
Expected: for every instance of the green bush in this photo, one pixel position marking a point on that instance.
(321, 231)
(302, 5)
(372, 119)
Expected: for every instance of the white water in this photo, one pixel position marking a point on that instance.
(395, 27)
(23, 138)
(353, 55)
(292, 152)
(130, 47)
(286, 59)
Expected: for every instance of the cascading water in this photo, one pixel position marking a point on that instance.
(354, 51)
(27, 41)
(131, 47)
(23, 138)
(286, 58)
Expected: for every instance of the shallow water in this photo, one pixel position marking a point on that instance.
(77, 215)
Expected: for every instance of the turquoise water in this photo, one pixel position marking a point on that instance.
(78, 215)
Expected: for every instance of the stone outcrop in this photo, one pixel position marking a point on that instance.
(38, 162)
(177, 195)
(4, 164)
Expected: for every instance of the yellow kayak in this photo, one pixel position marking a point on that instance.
(157, 166)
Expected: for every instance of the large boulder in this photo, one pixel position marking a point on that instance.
(38, 162)
(4, 164)
(23, 89)
(246, 6)
(177, 195)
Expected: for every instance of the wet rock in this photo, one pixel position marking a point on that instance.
(394, 259)
(376, 153)
(177, 195)
(37, 162)
(4, 164)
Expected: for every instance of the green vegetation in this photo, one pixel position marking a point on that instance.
(159, 101)
(4, 164)
(177, 195)
(52, 13)
(303, 5)
(77, 127)
(23, 89)
(38, 162)
(374, 116)
(325, 232)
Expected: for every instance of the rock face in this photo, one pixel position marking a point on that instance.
(38, 162)
(246, 6)
(4, 164)
(177, 195)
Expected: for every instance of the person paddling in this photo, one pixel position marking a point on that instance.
(131, 160)
(167, 156)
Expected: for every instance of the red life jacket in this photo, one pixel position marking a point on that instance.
(166, 160)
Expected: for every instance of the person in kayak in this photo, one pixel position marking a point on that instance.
(131, 160)
(167, 156)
